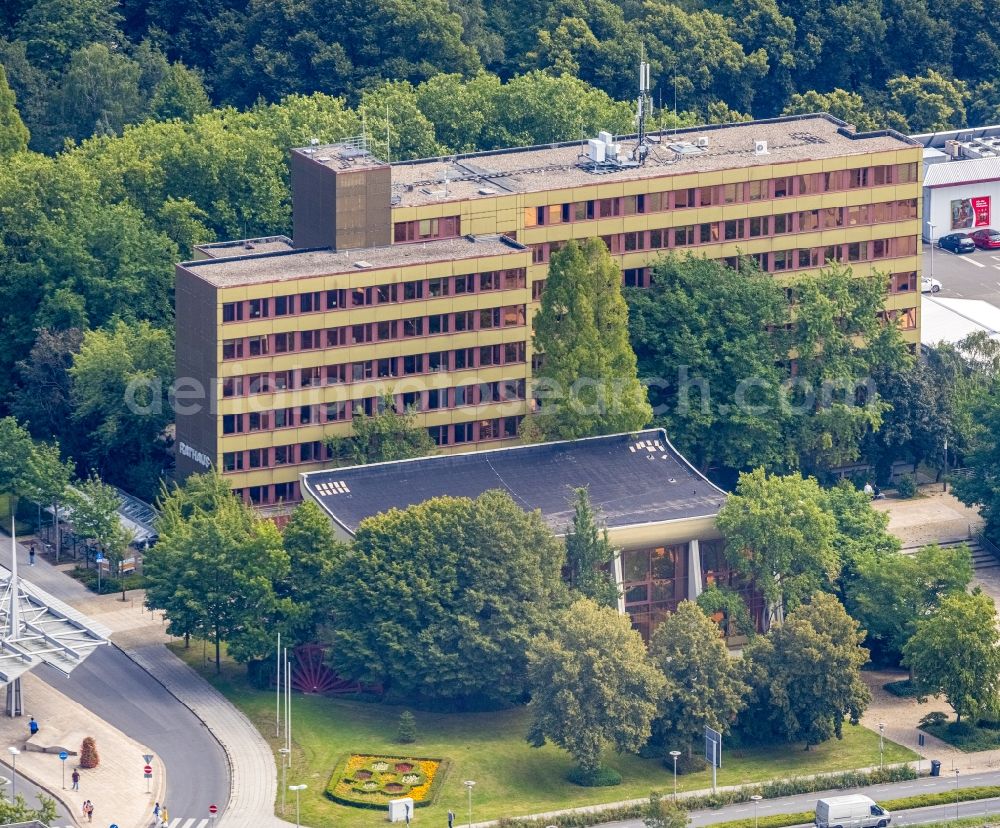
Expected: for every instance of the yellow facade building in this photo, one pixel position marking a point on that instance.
(419, 279)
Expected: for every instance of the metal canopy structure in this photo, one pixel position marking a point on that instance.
(37, 628)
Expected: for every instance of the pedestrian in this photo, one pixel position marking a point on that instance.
(451, 818)
(76, 779)
(164, 816)
(869, 490)
(156, 814)
(33, 726)
(31, 554)
(88, 809)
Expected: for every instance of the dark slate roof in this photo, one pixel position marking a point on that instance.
(632, 479)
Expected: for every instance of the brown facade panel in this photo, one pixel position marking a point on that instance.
(196, 354)
(314, 203)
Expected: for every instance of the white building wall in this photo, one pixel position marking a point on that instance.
(937, 206)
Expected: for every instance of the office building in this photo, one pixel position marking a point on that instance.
(419, 279)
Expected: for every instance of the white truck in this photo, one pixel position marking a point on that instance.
(853, 811)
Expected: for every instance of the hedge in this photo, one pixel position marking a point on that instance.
(732, 796)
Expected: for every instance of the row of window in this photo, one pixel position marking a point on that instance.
(297, 304)
(314, 451)
(510, 316)
(448, 227)
(698, 234)
(460, 359)
(433, 399)
(738, 193)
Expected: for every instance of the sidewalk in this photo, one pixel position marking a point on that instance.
(116, 786)
(142, 637)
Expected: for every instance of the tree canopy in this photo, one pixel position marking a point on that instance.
(437, 602)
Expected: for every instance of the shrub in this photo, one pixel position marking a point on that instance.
(600, 778)
(934, 719)
(687, 763)
(904, 688)
(406, 730)
(88, 753)
(906, 486)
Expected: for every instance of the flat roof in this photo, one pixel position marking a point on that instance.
(283, 266)
(970, 171)
(245, 247)
(633, 479)
(949, 320)
(555, 166)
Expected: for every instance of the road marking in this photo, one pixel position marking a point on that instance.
(996, 258)
(905, 787)
(188, 822)
(973, 261)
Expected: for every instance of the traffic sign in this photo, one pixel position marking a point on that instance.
(148, 770)
(63, 755)
(213, 809)
(99, 557)
(147, 758)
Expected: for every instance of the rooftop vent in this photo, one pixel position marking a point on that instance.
(362, 264)
(760, 148)
(322, 157)
(314, 142)
(606, 137)
(685, 148)
(701, 141)
(487, 191)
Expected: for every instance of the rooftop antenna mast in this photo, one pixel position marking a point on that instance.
(388, 155)
(644, 108)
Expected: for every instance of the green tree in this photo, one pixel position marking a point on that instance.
(121, 379)
(180, 93)
(54, 29)
(805, 675)
(955, 652)
(982, 487)
(99, 93)
(848, 106)
(17, 811)
(13, 133)
(927, 102)
(216, 571)
(588, 551)
(704, 685)
(892, 593)
(662, 812)
(49, 478)
(15, 452)
(779, 533)
(588, 374)
(701, 329)
(861, 531)
(839, 341)
(313, 556)
(47, 405)
(387, 435)
(592, 685)
(95, 507)
(436, 602)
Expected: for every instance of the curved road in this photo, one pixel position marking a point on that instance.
(111, 685)
(115, 688)
(29, 790)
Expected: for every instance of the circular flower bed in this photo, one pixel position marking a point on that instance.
(371, 781)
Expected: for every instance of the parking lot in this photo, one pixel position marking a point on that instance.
(969, 276)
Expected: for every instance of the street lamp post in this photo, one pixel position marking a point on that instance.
(756, 800)
(297, 789)
(675, 754)
(469, 785)
(13, 761)
(930, 233)
(284, 755)
(956, 793)
(881, 745)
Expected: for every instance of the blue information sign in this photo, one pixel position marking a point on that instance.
(63, 755)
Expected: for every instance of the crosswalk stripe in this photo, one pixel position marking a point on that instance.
(188, 822)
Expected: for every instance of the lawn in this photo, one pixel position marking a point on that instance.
(512, 778)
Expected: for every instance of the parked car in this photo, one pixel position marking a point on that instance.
(853, 811)
(986, 239)
(957, 243)
(929, 285)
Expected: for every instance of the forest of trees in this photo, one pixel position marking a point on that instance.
(131, 131)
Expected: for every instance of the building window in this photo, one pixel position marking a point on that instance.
(308, 302)
(489, 318)
(439, 434)
(437, 324)
(684, 236)
(707, 196)
(489, 281)
(257, 345)
(489, 355)
(336, 411)
(903, 282)
(232, 387)
(463, 432)
(232, 423)
(609, 207)
(906, 173)
(756, 190)
(758, 226)
(514, 279)
(783, 187)
(424, 229)
(513, 316)
(283, 455)
(232, 461)
(258, 308)
(335, 299)
(259, 421)
(385, 331)
(255, 458)
(232, 349)
(284, 491)
(232, 312)
(732, 193)
(412, 291)
(684, 198)
(283, 305)
(735, 229)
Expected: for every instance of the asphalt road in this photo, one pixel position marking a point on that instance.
(30, 792)
(893, 790)
(969, 276)
(111, 685)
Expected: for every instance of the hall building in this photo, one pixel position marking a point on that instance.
(419, 279)
(658, 510)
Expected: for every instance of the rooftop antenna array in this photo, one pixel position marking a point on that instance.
(644, 108)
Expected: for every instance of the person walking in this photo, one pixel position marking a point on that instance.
(164, 816)
(156, 814)
(32, 726)
(76, 779)
(88, 809)
(31, 554)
